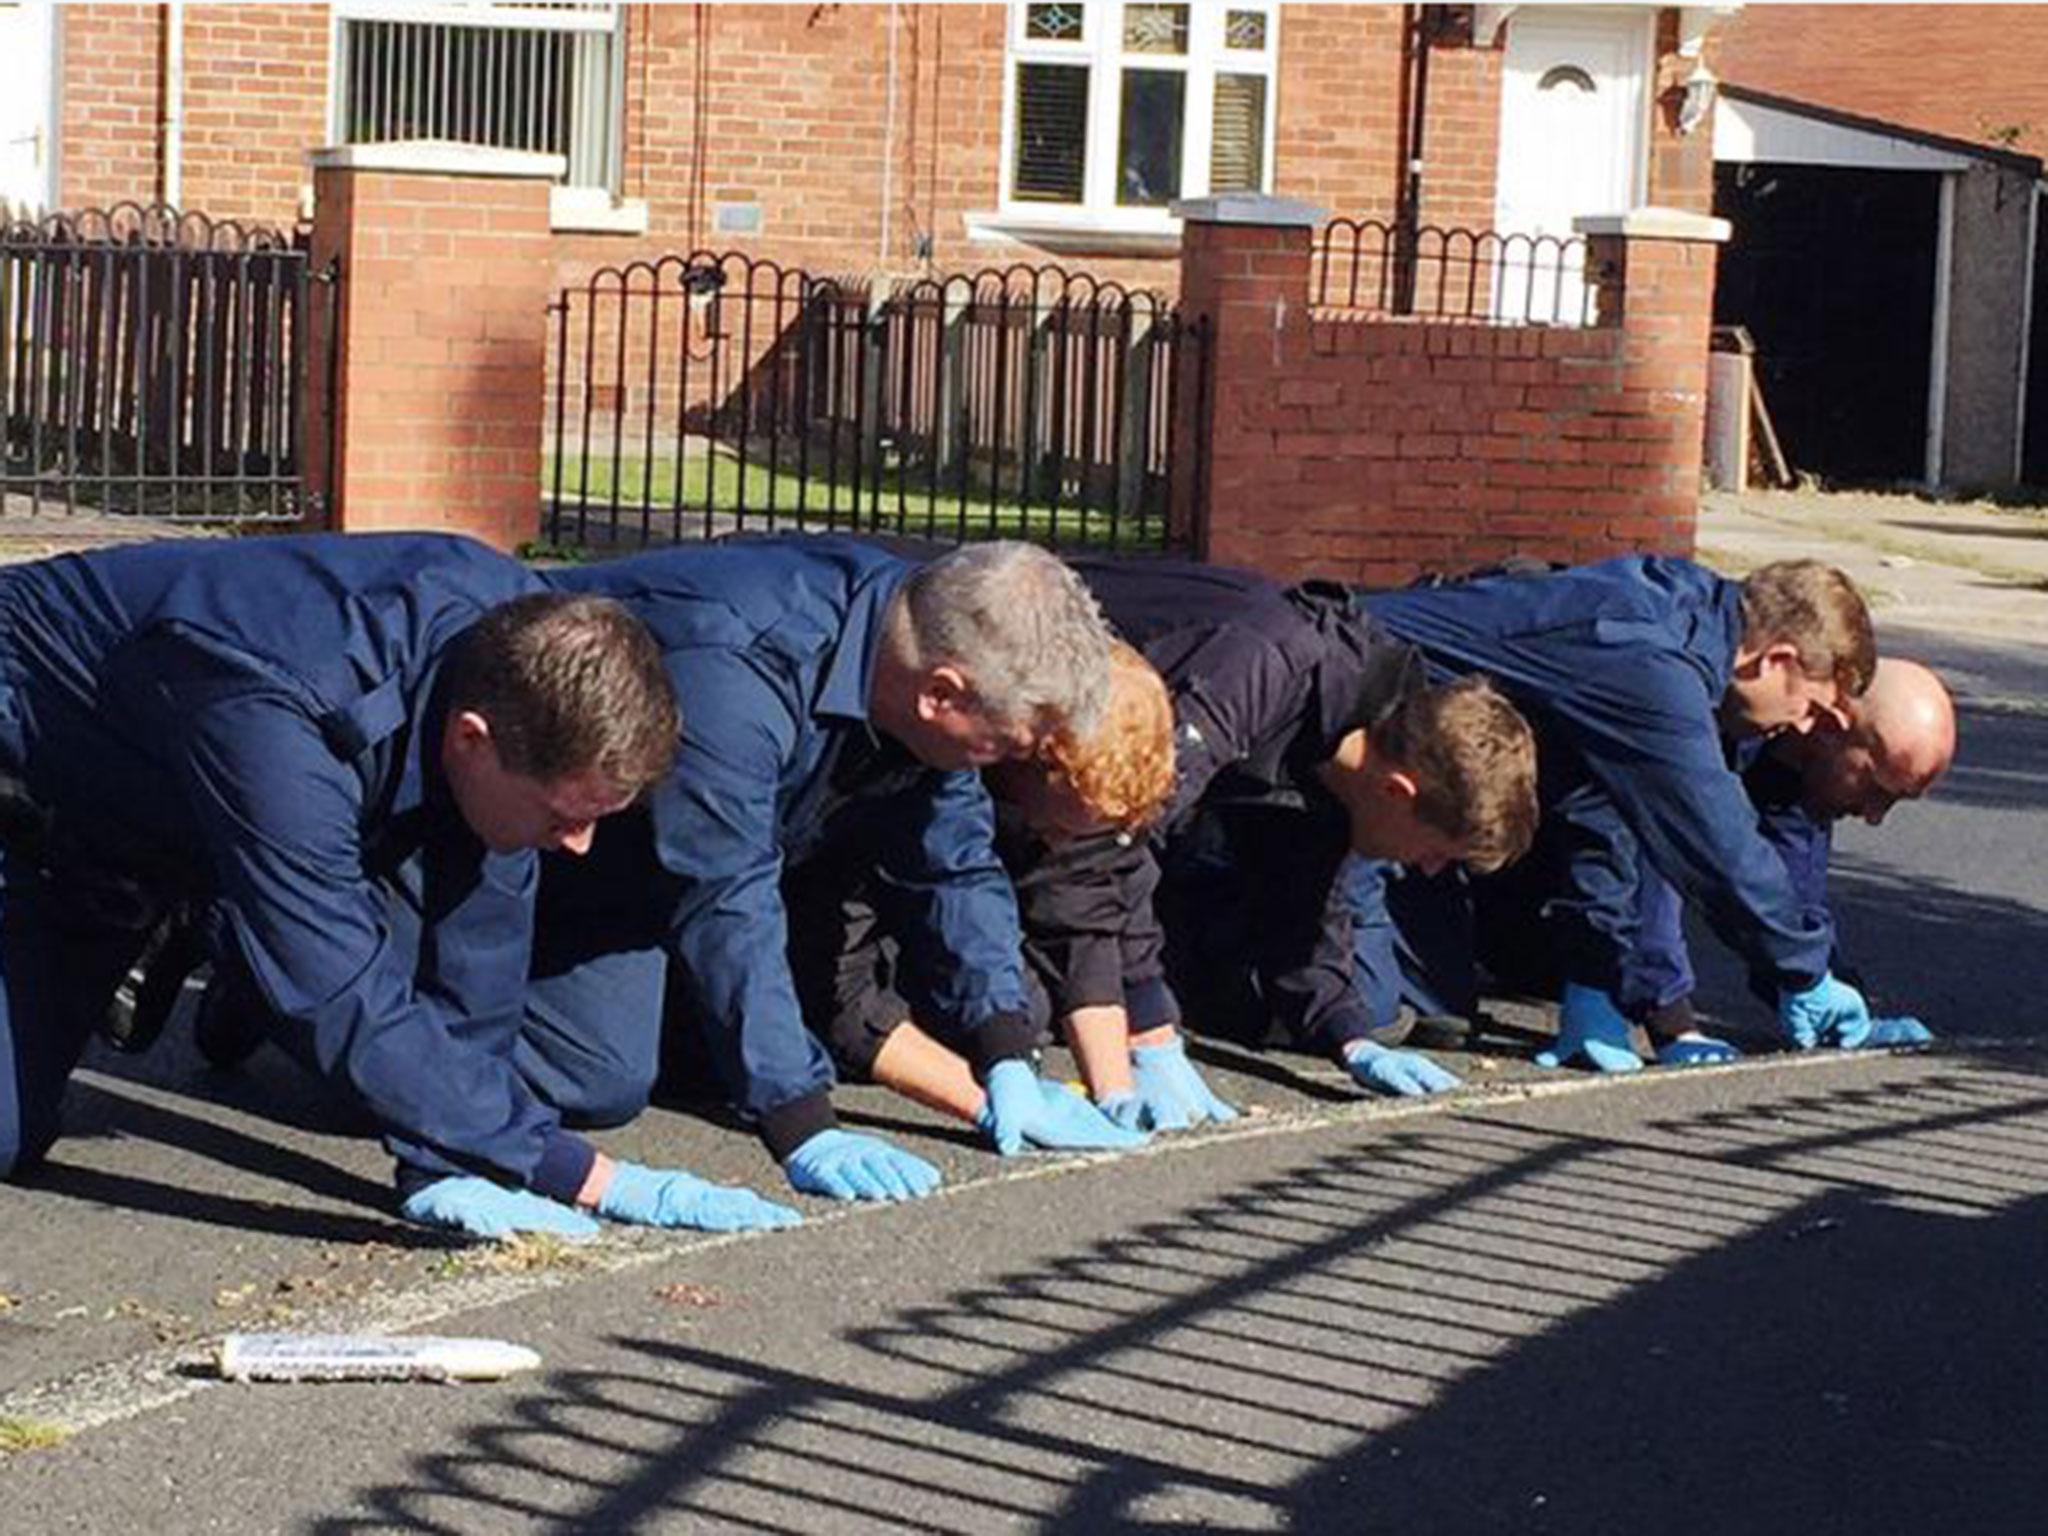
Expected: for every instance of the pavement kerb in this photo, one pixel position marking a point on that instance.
(117, 1390)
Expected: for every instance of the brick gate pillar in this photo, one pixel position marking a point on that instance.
(440, 337)
(1656, 274)
(1244, 265)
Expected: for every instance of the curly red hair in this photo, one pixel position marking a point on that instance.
(1122, 771)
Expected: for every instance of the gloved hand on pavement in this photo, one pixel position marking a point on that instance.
(1693, 1049)
(1125, 1109)
(651, 1198)
(480, 1208)
(1830, 1012)
(1409, 1074)
(1589, 1026)
(1891, 1034)
(1024, 1110)
(841, 1165)
(1171, 1095)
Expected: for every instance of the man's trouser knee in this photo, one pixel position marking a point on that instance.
(590, 1043)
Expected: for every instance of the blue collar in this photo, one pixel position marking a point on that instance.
(849, 676)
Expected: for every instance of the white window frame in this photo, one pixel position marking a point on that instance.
(593, 205)
(1100, 48)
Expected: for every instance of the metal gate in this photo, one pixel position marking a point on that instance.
(154, 363)
(704, 394)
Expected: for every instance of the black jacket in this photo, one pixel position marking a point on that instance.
(1266, 680)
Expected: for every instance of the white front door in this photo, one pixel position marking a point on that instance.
(1574, 125)
(27, 77)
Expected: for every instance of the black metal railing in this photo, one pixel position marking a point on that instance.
(710, 393)
(1475, 275)
(155, 363)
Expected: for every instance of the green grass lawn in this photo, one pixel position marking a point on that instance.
(903, 502)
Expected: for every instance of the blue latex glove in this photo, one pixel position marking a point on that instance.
(649, 1198)
(1410, 1074)
(1124, 1109)
(1024, 1110)
(480, 1208)
(1590, 1026)
(841, 1165)
(1696, 1050)
(1829, 1012)
(1890, 1034)
(1171, 1094)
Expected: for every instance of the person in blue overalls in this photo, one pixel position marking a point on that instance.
(838, 700)
(1899, 739)
(1631, 671)
(341, 752)
(1297, 730)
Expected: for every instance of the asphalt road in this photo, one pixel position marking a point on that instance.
(1795, 1295)
(1790, 1299)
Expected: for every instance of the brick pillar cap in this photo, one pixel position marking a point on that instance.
(439, 157)
(1655, 224)
(1249, 208)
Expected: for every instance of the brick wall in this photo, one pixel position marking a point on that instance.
(786, 107)
(442, 333)
(110, 104)
(1372, 450)
(1461, 138)
(1681, 165)
(255, 100)
(1969, 71)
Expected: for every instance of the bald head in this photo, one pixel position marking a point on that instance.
(1900, 740)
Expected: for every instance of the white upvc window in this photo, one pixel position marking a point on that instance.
(547, 78)
(1113, 110)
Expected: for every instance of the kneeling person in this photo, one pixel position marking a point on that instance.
(838, 700)
(1299, 733)
(343, 752)
(1896, 742)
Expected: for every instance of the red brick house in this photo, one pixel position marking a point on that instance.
(878, 135)
(901, 139)
(1881, 165)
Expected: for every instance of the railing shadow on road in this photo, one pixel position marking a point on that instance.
(1821, 1315)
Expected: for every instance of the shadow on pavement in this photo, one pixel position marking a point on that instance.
(129, 1115)
(1820, 1316)
(1946, 955)
(211, 1208)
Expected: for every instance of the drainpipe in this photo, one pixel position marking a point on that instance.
(170, 179)
(2019, 424)
(1417, 29)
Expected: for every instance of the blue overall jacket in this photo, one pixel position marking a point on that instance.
(1620, 668)
(256, 723)
(1656, 973)
(772, 645)
(1265, 681)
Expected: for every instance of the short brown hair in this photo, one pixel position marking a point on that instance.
(568, 683)
(1816, 608)
(1123, 769)
(1473, 757)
